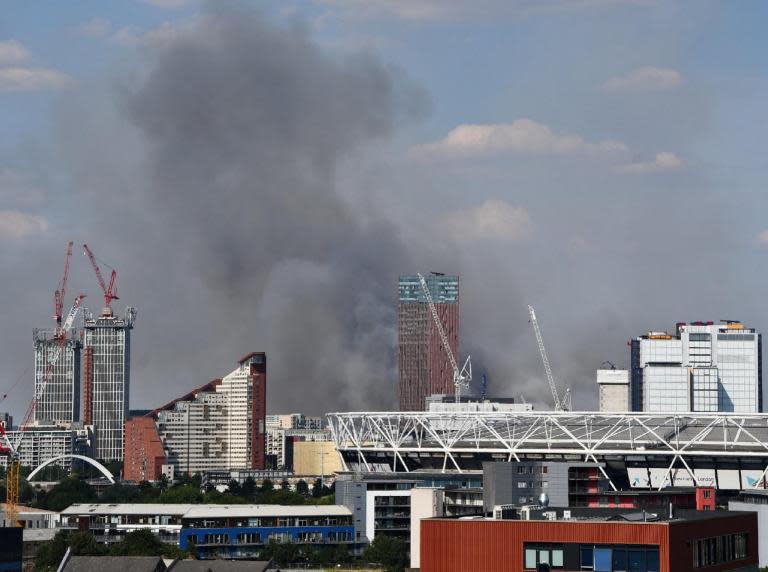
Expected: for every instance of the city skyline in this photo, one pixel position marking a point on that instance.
(550, 155)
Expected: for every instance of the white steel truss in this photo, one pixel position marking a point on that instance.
(687, 438)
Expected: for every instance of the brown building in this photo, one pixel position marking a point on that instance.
(143, 457)
(257, 361)
(603, 541)
(424, 367)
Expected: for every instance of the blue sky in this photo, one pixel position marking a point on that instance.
(602, 158)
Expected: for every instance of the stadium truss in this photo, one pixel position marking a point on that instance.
(407, 441)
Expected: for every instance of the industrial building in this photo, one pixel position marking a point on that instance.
(424, 368)
(219, 426)
(702, 367)
(106, 379)
(59, 401)
(593, 539)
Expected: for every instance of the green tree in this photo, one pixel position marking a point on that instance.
(266, 486)
(182, 494)
(302, 487)
(281, 553)
(49, 555)
(387, 551)
(67, 492)
(248, 489)
(120, 493)
(234, 487)
(144, 543)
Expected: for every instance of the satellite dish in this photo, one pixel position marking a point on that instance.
(544, 499)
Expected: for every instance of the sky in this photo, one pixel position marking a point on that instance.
(259, 173)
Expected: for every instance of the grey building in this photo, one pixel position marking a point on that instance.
(106, 379)
(702, 367)
(41, 443)
(521, 483)
(755, 500)
(59, 402)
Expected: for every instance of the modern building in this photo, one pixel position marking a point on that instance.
(106, 379)
(424, 367)
(144, 455)
(756, 501)
(219, 426)
(59, 402)
(241, 531)
(43, 442)
(613, 387)
(702, 367)
(593, 539)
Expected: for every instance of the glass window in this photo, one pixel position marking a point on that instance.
(530, 558)
(557, 557)
(636, 560)
(652, 560)
(586, 558)
(543, 556)
(619, 560)
(603, 561)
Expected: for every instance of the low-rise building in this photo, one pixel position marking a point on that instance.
(593, 539)
(109, 523)
(755, 500)
(613, 387)
(40, 443)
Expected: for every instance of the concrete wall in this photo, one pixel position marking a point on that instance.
(425, 503)
(313, 458)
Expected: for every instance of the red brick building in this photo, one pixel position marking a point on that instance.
(690, 541)
(143, 455)
(424, 367)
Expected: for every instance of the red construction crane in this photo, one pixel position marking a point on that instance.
(58, 296)
(11, 449)
(109, 291)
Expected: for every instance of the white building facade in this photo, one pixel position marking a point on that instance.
(613, 386)
(703, 367)
(59, 402)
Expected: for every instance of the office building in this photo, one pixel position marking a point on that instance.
(219, 426)
(424, 368)
(755, 500)
(593, 539)
(106, 379)
(703, 367)
(315, 458)
(613, 387)
(59, 402)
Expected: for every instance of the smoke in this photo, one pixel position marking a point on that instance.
(246, 182)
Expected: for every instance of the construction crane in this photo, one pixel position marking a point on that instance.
(109, 291)
(563, 404)
(461, 377)
(12, 475)
(61, 289)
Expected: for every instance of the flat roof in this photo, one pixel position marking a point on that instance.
(206, 510)
(617, 515)
(256, 510)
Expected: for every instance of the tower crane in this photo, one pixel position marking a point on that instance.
(61, 289)
(11, 449)
(563, 404)
(461, 377)
(109, 291)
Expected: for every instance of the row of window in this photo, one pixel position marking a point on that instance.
(719, 549)
(598, 558)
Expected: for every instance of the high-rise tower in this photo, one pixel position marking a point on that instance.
(106, 379)
(60, 401)
(424, 367)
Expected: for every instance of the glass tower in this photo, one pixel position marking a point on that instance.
(59, 402)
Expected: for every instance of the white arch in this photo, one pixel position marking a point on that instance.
(104, 471)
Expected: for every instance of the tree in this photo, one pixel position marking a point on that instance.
(248, 490)
(144, 543)
(49, 555)
(281, 553)
(302, 487)
(266, 486)
(387, 551)
(317, 488)
(181, 495)
(67, 492)
(118, 493)
(285, 485)
(234, 487)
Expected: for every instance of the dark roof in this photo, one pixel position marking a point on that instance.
(207, 388)
(114, 564)
(219, 566)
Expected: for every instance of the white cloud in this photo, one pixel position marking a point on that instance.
(32, 79)
(645, 78)
(495, 219)
(17, 189)
(16, 225)
(520, 136)
(12, 52)
(95, 28)
(661, 162)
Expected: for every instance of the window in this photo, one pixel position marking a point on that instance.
(603, 560)
(719, 549)
(586, 560)
(636, 560)
(550, 554)
(619, 560)
(530, 558)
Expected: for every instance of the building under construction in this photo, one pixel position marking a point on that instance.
(59, 400)
(106, 379)
(424, 367)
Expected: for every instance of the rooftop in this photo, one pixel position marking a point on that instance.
(578, 515)
(207, 510)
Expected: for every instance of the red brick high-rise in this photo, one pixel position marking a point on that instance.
(424, 367)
